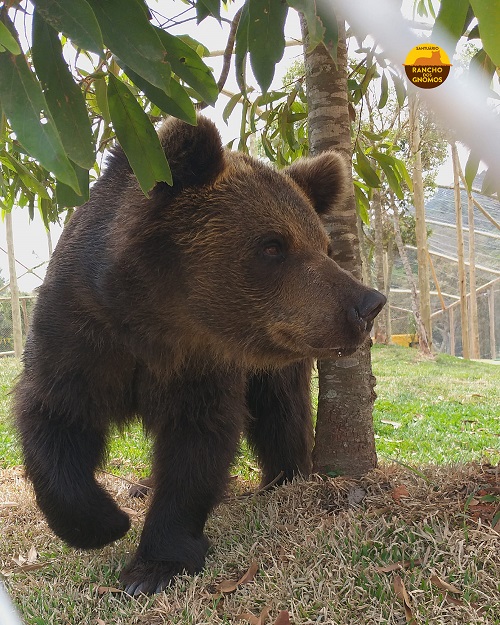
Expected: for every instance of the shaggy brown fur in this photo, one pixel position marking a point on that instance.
(199, 310)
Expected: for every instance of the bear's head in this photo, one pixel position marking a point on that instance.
(253, 275)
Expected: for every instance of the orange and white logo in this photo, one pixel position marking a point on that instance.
(427, 66)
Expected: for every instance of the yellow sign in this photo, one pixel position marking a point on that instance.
(427, 66)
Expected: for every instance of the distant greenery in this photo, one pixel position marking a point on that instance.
(441, 411)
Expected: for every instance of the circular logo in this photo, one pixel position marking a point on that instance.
(427, 66)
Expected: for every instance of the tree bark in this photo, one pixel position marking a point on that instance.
(462, 279)
(420, 227)
(345, 441)
(14, 289)
(379, 326)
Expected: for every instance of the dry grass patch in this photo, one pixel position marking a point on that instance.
(332, 551)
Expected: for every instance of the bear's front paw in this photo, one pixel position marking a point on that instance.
(148, 577)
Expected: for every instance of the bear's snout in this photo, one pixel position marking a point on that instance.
(363, 314)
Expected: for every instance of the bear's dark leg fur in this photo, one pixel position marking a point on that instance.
(196, 439)
(60, 458)
(280, 429)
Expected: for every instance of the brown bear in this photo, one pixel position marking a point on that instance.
(199, 310)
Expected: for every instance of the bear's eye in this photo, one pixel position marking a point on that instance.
(273, 249)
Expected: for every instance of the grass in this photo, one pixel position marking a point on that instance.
(441, 411)
(428, 411)
(321, 557)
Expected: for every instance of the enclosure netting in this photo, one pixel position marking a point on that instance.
(442, 244)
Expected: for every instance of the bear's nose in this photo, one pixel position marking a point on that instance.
(363, 314)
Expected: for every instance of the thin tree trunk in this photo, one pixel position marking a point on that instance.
(345, 441)
(422, 332)
(14, 289)
(462, 279)
(420, 227)
(474, 322)
(388, 268)
(379, 326)
(491, 311)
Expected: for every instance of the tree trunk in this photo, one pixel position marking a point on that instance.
(462, 279)
(379, 326)
(388, 268)
(420, 227)
(14, 289)
(345, 441)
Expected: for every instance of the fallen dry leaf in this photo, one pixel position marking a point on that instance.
(356, 496)
(24, 568)
(399, 492)
(32, 555)
(437, 581)
(230, 585)
(283, 618)
(400, 590)
(255, 620)
(394, 424)
(130, 511)
(103, 590)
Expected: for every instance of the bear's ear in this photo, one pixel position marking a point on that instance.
(195, 153)
(323, 179)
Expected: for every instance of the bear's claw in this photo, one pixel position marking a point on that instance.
(147, 577)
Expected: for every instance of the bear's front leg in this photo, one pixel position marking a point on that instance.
(196, 439)
(280, 430)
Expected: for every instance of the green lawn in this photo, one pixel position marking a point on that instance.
(441, 411)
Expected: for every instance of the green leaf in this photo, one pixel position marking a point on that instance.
(483, 64)
(75, 19)
(400, 167)
(129, 35)
(451, 18)
(8, 41)
(64, 98)
(137, 136)
(66, 197)
(362, 204)
(393, 180)
(471, 169)
(329, 21)
(488, 16)
(365, 169)
(201, 11)
(400, 88)
(211, 7)
(24, 105)
(315, 29)
(229, 108)
(178, 103)
(266, 39)
(241, 48)
(189, 66)
(490, 184)
(198, 47)
(384, 91)
(389, 165)
(27, 178)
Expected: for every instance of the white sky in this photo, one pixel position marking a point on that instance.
(30, 237)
